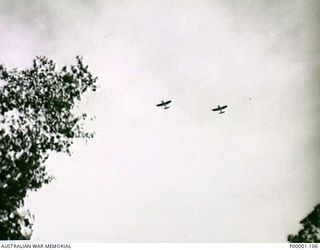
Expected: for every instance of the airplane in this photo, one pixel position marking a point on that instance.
(220, 109)
(164, 104)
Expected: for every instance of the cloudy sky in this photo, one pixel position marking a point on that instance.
(185, 173)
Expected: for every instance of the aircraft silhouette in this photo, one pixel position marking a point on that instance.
(164, 104)
(220, 109)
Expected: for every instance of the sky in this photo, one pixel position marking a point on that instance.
(183, 174)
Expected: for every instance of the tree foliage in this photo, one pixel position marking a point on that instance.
(311, 228)
(36, 116)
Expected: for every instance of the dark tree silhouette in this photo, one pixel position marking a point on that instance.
(311, 228)
(36, 116)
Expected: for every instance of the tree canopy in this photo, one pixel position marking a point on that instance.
(311, 228)
(36, 117)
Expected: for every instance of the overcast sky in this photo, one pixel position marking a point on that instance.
(185, 173)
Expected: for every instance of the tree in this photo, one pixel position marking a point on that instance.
(36, 117)
(311, 228)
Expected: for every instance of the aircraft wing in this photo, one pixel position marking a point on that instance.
(163, 103)
(223, 107)
(216, 109)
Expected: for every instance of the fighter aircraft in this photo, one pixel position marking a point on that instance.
(164, 104)
(220, 109)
